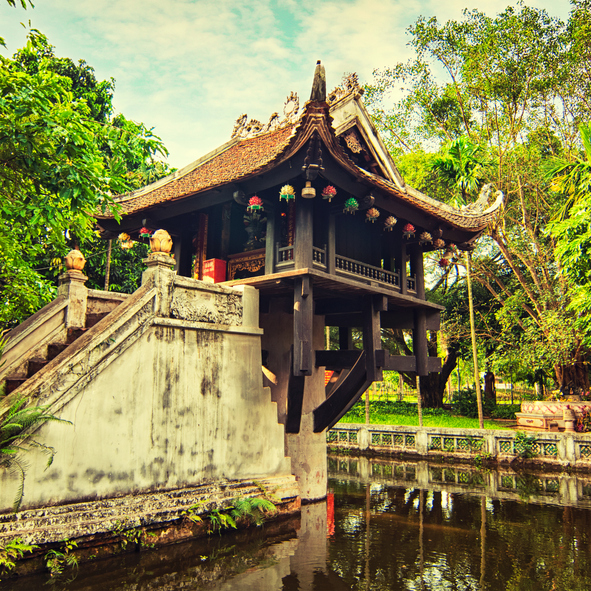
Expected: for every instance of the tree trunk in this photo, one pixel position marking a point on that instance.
(573, 378)
(490, 391)
(433, 385)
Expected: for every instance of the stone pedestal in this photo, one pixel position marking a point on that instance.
(159, 273)
(306, 449)
(71, 285)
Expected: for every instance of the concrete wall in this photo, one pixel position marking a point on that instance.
(165, 392)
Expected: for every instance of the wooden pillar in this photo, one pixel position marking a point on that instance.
(303, 317)
(345, 338)
(304, 234)
(419, 340)
(401, 261)
(331, 246)
(372, 340)
(416, 264)
(270, 243)
(185, 254)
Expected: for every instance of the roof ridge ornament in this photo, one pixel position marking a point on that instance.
(245, 128)
(349, 85)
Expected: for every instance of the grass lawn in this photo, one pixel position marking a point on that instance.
(406, 414)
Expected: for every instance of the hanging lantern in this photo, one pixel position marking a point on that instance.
(425, 238)
(308, 192)
(287, 192)
(372, 214)
(351, 205)
(438, 243)
(145, 233)
(329, 192)
(125, 241)
(389, 223)
(255, 205)
(408, 231)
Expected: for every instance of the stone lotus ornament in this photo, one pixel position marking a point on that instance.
(75, 260)
(161, 242)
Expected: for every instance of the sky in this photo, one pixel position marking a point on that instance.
(190, 68)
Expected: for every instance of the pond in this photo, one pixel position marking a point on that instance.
(384, 529)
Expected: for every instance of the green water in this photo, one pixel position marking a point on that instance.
(383, 530)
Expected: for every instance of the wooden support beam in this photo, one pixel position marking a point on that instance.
(337, 360)
(303, 318)
(270, 243)
(419, 339)
(372, 340)
(304, 237)
(331, 245)
(295, 399)
(400, 319)
(401, 263)
(345, 338)
(416, 263)
(332, 305)
(344, 396)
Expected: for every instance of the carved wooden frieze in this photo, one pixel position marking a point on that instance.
(203, 306)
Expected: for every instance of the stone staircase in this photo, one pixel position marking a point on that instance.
(37, 363)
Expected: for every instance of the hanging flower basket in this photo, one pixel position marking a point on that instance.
(351, 205)
(372, 214)
(125, 241)
(145, 233)
(287, 193)
(408, 231)
(255, 204)
(329, 192)
(389, 223)
(425, 238)
(438, 243)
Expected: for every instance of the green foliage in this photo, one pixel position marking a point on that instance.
(465, 404)
(252, 509)
(62, 158)
(59, 561)
(505, 411)
(15, 427)
(11, 552)
(525, 445)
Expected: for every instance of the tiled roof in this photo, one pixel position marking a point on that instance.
(234, 161)
(242, 158)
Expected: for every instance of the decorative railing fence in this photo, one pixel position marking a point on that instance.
(560, 448)
(548, 487)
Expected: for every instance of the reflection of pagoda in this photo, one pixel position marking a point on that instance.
(351, 257)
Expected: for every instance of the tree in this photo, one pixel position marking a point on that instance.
(61, 159)
(513, 85)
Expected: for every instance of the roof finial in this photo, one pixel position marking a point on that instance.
(318, 93)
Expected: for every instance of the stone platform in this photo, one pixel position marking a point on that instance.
(551, 415)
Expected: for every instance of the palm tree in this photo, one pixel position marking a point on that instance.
(461, 167)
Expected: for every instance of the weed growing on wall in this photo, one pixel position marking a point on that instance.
(60, 561)
(9, 554)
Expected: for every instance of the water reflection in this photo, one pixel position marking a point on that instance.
(390, 526)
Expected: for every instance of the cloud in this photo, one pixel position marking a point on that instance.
(191, 67)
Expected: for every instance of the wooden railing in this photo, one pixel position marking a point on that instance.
(319, 257)
(284, 257)
(347, 266)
